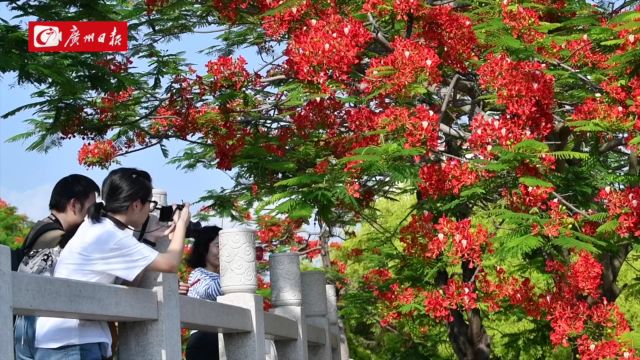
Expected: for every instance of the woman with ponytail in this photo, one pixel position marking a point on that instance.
(103, 250)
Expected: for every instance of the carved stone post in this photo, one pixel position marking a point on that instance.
(238, 279)
(6, 305)
(155, 340)
(332, 316)
(161, 338)
(314, 303)
(160, 196)
(286, 297)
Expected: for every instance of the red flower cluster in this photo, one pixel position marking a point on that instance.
(114, 65)
(451, 34)
(401, 8)
(100, 153)
(428, 241)
(455, 295)
(418, 237)
(582, 53)
(572, 317)
(410, 62)
(526, 198)
(170, 120)
(524, 88)
(281, 22)
(467, 245)
(611, 349)
(109, 101)
(321, 113)
(446, 178)
(522, 22)
(273, 231)
(392, 295)
(527, 93)
(598, 109)
(229, 10)
(154, 4)
(624, 204)
(226, 134)
(227, 73)
(420, 125)
(619, 110)
(326, 48)
(508, 288)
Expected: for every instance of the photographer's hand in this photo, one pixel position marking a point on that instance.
(169, 261)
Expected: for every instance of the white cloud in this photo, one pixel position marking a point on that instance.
(33, 202)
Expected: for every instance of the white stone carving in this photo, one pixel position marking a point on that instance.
(314, 293)
(285, 279)
(332, 305)
(160, 196)
(238, 261)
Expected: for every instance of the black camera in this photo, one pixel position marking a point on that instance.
(166, 215)
(166, 212)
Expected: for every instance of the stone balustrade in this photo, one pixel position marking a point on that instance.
(303, 321)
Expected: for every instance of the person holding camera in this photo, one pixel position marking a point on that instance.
(102, 250)
(204, 283)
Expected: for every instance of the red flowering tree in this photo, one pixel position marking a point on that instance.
(13, 226)
(514, 124)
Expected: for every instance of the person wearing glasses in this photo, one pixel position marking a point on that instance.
(103, 250)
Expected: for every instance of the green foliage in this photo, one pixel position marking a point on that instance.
(13, 226)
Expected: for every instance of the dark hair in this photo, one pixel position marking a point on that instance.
(74, 186)
(121, 188)
(201, 241)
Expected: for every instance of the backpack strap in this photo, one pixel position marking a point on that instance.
(37, 232)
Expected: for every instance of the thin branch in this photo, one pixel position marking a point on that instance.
(272, 79)
(447, 97)
(309, 250)
(454, 132)
(610, 145)
(584, 79)
(631, 265)
(475, 273)
(140, 149)
(569, 205)
(211, 31)
(269, 63)
(623, 6)
(409, 30)
(377, 32)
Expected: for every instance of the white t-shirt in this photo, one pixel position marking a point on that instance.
(99, 252)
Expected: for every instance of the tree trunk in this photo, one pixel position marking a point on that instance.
(325, 236)
(611, 264)
(468, 338)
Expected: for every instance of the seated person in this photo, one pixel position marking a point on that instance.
(204, 283)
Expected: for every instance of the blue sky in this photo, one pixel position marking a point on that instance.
(26, 178)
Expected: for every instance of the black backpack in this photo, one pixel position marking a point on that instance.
(36, 232)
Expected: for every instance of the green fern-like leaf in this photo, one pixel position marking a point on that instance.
(571, 243)
(300, 180)
(531, 181)
(569, 155)
(608, 227)
(530, 146)
(518, 246)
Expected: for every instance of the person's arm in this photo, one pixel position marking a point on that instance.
(212, 289)
(170, 260)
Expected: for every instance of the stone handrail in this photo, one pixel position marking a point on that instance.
(150, 318)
